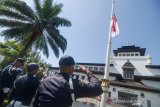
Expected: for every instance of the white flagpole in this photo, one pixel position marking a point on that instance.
(105, 81)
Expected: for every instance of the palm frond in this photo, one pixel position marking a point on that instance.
(45, 49)
(57, 21)
(11, 23)
(12, 14)
(41, 44)
(22, 7)
(11, 33)
(56, 9)
(46, 9)
(53, 46)
(59, 39)
(38, 8)
(62, 42)
(15, 32)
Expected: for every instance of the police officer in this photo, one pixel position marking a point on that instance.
(8, 76)
(56, 91)
(25, 87)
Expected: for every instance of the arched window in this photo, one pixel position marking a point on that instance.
(128, 70)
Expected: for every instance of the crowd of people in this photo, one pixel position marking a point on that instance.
(34, 89)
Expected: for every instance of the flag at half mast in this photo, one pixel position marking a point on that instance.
(114, 26)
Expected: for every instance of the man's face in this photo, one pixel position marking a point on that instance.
(71, 69)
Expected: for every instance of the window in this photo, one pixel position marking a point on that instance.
(114, 89)
(148, 103)
(132, 54)
(76, 67)
(120, 54)
(90, 68)
(128, 74)
(96, 68)
(101, 69)
(109, 94)
(128, 70)
(142, 95)
(128, 55)
(124, 55)
(136, 54)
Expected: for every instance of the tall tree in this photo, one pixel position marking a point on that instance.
(36, 28)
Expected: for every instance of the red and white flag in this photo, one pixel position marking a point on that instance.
(114, 27)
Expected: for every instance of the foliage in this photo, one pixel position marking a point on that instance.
(10, 50)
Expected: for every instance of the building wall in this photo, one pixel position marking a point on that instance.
(155, 84)
(153, 97)
(138, 62)
(155, 72)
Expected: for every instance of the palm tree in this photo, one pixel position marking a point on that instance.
(36, 29)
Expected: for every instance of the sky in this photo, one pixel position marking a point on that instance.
(87, 38)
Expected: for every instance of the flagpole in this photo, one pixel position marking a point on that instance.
(105, 81)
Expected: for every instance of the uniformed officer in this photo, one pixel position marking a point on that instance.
(8, 76)
(25, 87)
(55, 91)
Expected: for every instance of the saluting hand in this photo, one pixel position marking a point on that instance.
(84, 70)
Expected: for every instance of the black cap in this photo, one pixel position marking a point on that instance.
(32, 66)
(66, 61)
(20, 60)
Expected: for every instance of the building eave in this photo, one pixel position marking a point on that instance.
(153, 66)
(92, 64)
(135, 86)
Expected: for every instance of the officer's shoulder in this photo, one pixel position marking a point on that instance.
(54, 78)
(21, 77)
(6, 67)
(18, 69)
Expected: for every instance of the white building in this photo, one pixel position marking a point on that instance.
(134, 81)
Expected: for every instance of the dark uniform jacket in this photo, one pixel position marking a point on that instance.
(24, 88)
(8, 76)
(55, 91)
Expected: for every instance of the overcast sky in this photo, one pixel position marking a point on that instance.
(88, 36)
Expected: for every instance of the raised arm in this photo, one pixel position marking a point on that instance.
(90, 88)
